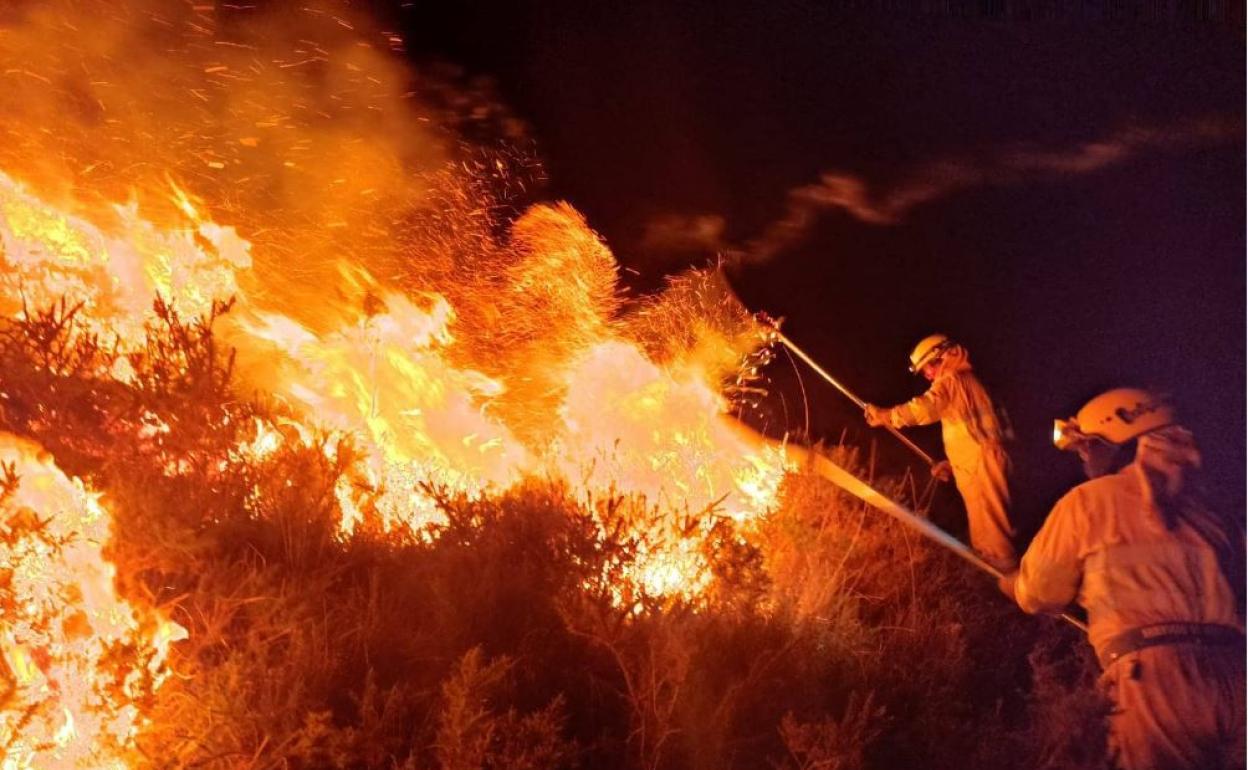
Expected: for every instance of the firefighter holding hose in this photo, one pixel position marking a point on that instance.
(973, 436)
(1159, 574)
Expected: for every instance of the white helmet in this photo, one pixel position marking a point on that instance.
(928, 348)
(1115, 416)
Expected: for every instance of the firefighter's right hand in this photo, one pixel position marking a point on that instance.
(942, 471)
(874, 415)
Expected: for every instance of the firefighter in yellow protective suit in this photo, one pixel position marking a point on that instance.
(973, 435)
(1158, 573)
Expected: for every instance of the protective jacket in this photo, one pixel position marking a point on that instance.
(1158, 574)
(973, 434)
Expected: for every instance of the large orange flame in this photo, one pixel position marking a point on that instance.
(385, 292)
(384, 375)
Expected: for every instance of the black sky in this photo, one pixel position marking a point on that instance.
(1132, 274)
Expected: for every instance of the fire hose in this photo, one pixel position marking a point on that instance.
(868, 494)
(859, 488)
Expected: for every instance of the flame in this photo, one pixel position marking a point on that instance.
(383, 380)
(392, 375)
(381, 296)
(70, 704)
(660, 433)
(49, 254)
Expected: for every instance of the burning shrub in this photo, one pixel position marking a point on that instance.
(510, 634)
(423, 487)
(78, 665)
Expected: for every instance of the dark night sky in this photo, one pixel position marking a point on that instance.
(1131, 274)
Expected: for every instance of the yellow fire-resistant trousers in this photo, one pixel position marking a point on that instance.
(981, 474)
(1177, 707)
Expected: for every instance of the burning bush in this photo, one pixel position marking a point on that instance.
(510, 635)
(422, 485)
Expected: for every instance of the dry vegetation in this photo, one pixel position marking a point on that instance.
(834, 639)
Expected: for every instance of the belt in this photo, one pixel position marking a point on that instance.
(1205, 634)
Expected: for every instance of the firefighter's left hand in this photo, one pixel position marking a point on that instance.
(1006, 584)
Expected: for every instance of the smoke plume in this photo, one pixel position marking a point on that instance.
(1013, 164)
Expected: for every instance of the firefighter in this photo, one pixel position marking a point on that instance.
(1158, 573)
(973, 435)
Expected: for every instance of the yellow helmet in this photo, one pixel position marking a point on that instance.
(928, 348)
(1116, 416)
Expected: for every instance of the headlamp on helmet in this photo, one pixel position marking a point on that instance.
(1066, 434)
(1115, 417)
(928, 350)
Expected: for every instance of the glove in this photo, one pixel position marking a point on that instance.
(875, 415)
(942, 471)
(1006, 584)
